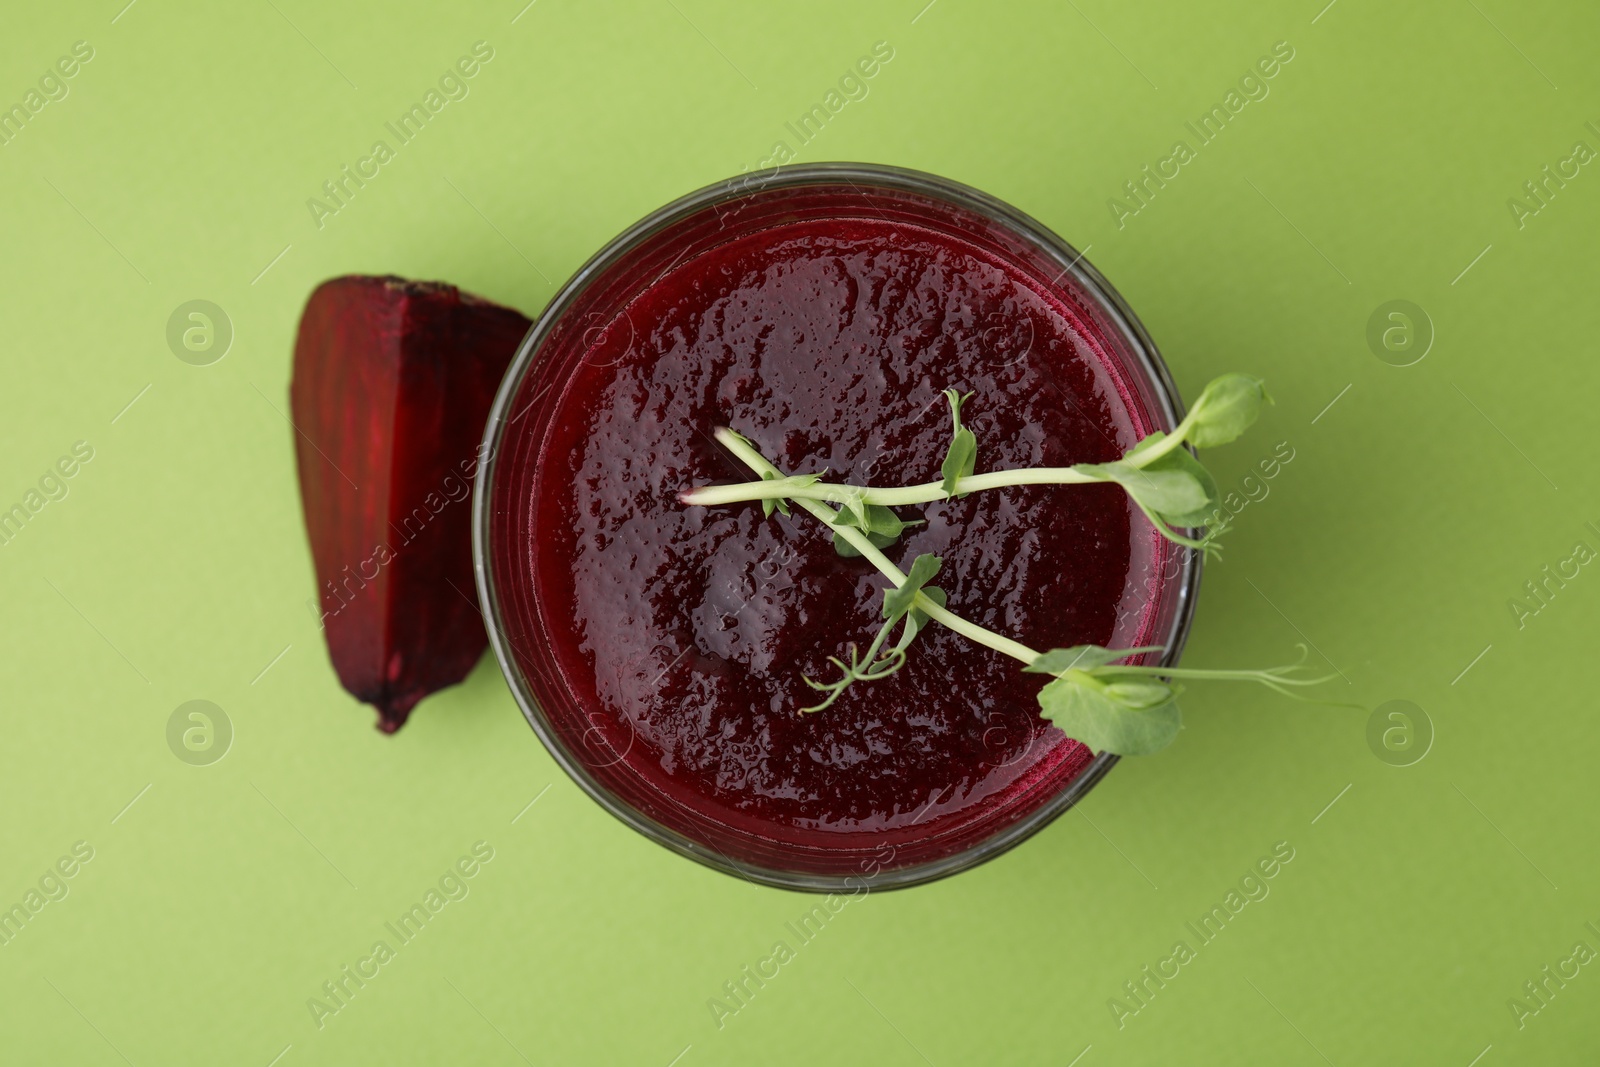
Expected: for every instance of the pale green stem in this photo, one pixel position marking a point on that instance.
(1215, 675)
(971, 630)
(870, 552)
(873, 649)
(927, 492)
(1167, 444)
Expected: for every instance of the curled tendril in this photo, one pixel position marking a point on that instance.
(871, 670)
(1281, 680)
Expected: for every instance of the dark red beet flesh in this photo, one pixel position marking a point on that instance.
(392, 384)
(667, 643)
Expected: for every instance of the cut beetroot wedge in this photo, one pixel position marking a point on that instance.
(392, 386)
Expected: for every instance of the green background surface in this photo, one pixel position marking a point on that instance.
(220, 898)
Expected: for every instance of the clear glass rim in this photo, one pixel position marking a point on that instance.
(1147, 358)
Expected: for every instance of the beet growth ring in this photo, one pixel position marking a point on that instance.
(1108, 705)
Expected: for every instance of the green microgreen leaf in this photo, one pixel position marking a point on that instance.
(874, 519)
(1168, 492)
(1126, 718)
(883, 521)
(1175, 487)
(846, 550)
(962, 456)
(900, 601)
(916, 618)
(1195, 501)
(769, 505)
(1226, 409)
(853, 509)
(881, 525)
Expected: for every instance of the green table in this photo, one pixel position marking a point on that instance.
(1442, 460)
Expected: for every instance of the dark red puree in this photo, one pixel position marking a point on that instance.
(678, 636)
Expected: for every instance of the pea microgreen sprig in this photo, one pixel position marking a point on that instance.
(1095, 697)
(1162, 477)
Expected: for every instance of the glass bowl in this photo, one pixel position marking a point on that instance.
(594, 747)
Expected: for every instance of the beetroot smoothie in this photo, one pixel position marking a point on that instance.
(663, 646)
